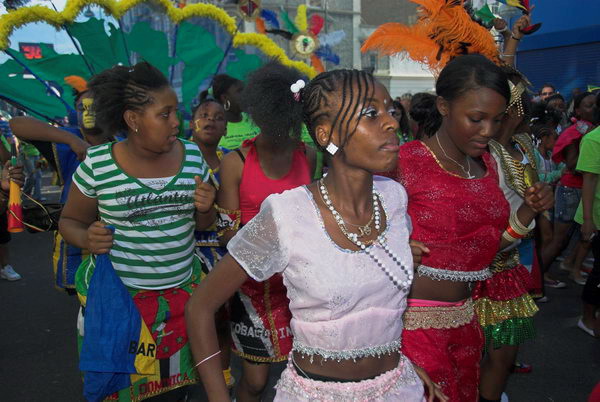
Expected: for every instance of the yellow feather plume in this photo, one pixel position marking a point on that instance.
(301, 20)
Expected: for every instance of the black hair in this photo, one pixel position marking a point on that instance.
(577, 101)
(77, 95)
(348, 89)
(269, 101)
(204, 97)
(404, 125)
(119, 89)
(422, 106)
(465, 73)
(547, 85)
(554, 97)
(221, 84)
(543, 120)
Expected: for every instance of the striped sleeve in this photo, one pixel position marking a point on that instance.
(84, 175)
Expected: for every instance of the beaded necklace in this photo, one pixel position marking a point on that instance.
(353, 237)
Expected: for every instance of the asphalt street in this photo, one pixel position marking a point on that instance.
(38, 354)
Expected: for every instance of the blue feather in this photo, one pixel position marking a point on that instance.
(270, 17)
(325, 53)
(331, 38)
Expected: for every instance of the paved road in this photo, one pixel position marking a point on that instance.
(38, 359)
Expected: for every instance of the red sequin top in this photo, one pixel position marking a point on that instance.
(460, 220)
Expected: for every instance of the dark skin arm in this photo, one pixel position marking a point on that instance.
(78, 224)
(571, 155)
(10, 173)
(214, 290)
(228, 196)
(590, 180)
(30, 129)
(204, 198)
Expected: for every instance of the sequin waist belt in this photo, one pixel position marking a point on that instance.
(347, 354)
(452, 275)
(442, 316)
(505, 261)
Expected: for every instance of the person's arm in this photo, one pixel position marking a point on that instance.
(512, 42)
(214, 290)
(9, 173)
(588, 227)
(31, 130)
(78, 224)
(259, 251)
(571, 153)
(538, 198)
(204, 200)
(228, 196)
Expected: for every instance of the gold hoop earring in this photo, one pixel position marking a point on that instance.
(227, 105)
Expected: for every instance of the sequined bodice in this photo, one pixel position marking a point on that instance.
(460, 220)
(343, 306)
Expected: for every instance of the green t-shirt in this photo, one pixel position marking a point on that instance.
(153, 245)
(238, 132)
(589, 161)
(29, 150)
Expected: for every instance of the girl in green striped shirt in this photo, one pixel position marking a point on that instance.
(152, 189)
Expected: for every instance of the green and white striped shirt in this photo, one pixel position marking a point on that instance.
(153, 244)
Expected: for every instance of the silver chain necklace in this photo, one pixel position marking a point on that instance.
(353, 237)
(466, 171)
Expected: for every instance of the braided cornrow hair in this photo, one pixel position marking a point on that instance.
(351, 89)
(119, 89)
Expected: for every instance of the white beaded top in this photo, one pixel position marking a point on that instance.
(344, 306)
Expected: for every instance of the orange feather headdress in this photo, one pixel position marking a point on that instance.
(444, 30)
(77, 83)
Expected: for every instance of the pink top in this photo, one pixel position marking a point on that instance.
(343, 305)
(255, 186)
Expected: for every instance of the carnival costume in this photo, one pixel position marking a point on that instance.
(461, 221)
(152, 254)
(260, 316)
(503, 303)
(344, 305)
(208, 247)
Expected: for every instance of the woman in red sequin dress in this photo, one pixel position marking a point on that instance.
(460, 213)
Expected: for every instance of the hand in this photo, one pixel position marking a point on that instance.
(434, 390)
(204, 195)
(99, 238)
(80, 147)
(588, 228)
(523, 22)
(418, 249)
(539, 197)
(499, 24)
(12, 173)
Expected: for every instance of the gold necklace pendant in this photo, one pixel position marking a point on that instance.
(364, 231)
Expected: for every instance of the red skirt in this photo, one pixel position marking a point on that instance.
(260, 321)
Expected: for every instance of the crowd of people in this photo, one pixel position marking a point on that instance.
(388, 250)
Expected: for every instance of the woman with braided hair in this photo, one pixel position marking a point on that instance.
(340, 245)
(139, 201)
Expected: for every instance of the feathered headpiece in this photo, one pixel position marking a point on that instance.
(443, 31)
(77, 83)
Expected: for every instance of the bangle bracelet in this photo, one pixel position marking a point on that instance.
(514, 37)
(207, 358)
(506, 236)
(514, 233)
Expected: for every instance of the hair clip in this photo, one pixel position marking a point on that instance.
(296, 87)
